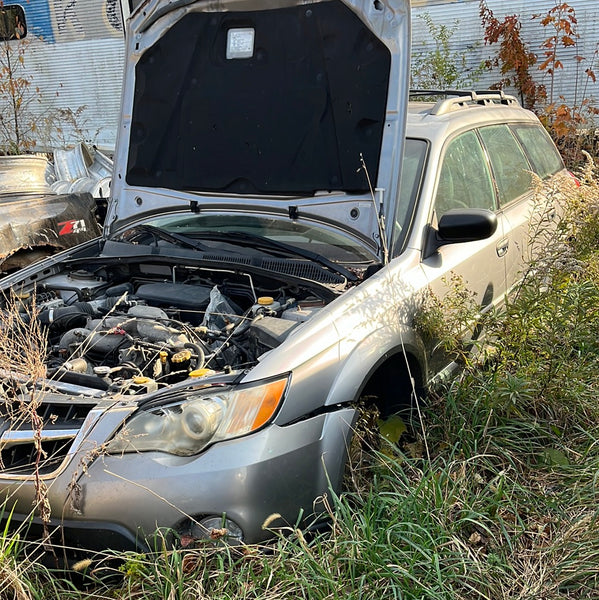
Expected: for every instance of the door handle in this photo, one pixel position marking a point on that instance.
(502, 247)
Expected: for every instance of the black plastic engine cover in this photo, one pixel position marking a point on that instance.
(181, 295)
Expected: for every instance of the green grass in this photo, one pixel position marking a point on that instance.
(504, 504)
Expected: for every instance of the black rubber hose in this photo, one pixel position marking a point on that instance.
(199, 362)
(81, 379)
(66, 317)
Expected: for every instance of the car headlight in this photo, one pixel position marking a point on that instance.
(210, 415)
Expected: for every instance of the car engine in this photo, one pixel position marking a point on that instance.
(130, 329)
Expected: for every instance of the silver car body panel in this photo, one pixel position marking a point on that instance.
(156, 490)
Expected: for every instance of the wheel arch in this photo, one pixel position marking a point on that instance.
(390, 367)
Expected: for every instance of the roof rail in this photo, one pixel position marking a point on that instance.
(455, 99)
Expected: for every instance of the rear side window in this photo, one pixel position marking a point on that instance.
(509, 163)
(542, 152)
(464, 181)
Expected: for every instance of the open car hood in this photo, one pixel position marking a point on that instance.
(264, 105)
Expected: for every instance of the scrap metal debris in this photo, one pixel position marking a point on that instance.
(81, 169)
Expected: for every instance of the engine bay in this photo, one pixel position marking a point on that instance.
(135, 326)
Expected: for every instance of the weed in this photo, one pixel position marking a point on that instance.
(64, 126)
(572, 125)
(514, 59)
(449, 323)
(442, 68)
(17, 126)
(562, 119)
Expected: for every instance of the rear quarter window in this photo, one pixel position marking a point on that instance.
(541, 150)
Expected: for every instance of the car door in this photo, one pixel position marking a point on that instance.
(513, 176)
(475, 269)
(529, 217)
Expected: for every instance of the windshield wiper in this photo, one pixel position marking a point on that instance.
(239, 238)
(174, 238)
(257, 241)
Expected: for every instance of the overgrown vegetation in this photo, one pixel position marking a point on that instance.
(17, 126)
(503, 504)
(442, 68)
(529, 72)
(25, 125)
(513, 58)
(571, 123)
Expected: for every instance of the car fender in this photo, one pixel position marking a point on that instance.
(366, 357)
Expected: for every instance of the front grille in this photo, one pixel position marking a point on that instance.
(20, 454)
(21, 459)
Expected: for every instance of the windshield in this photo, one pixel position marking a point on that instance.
(235, 232)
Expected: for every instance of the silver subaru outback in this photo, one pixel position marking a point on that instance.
(279, 207)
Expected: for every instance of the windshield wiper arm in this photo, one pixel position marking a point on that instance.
(174, 238)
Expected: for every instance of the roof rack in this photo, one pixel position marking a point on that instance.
(455, 99)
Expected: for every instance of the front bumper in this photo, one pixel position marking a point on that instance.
(122, 500)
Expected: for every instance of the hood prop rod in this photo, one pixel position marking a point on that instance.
(381, 223)
(378, 211)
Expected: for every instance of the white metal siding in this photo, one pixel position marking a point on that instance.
(571, 82)
(74, 56)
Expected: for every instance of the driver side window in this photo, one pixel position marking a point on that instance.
(464, 180)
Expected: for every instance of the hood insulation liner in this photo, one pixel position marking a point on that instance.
(291, 119)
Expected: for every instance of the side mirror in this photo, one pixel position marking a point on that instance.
(461, 225)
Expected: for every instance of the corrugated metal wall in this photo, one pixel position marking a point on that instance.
(571, 82)
(73, 56)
